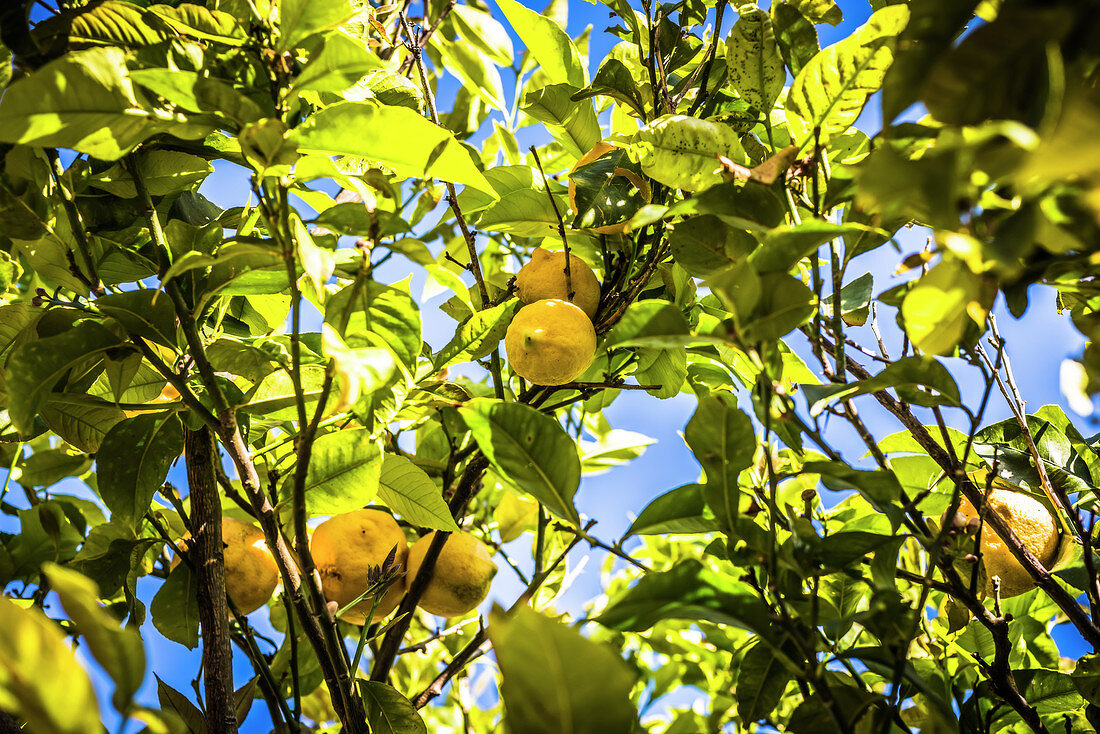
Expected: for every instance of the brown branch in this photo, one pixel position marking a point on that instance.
(387, 652)
(452, 196)
(331, 660)
(423, 36)
(701, 95)
(207, 553)
(1042, 577)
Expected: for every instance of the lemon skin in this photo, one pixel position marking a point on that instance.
(1032, 523)
(251, 575)
(461, 577)
(346, 547)
(543, 277)
(550, 342)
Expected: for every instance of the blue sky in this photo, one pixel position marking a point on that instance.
(1037, 345)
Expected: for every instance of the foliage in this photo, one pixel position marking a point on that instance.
(719, 184)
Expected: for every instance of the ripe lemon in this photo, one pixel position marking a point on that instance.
(250, 572)
(346, 547)
(461, 577)
(544, 277)
(1035, 527)
(550, 342)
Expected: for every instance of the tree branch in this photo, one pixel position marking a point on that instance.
(206, 516)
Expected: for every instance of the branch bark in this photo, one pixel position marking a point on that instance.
(207, 551)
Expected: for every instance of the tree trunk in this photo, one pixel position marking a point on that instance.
(207, 555)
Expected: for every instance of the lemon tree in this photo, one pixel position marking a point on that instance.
(334, 335)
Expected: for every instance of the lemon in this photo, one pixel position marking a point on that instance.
(1032, 523)
(544, 277)
(550, 342)
(250, 572)
(346, 547)
(461, 577)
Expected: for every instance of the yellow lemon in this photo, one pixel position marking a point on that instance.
(550, 342)
(346, 547)
(250, 572)
(461, 577)
(544, 277)
(1032, 523)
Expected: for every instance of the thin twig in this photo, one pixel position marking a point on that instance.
(425, 35)
(561, 226)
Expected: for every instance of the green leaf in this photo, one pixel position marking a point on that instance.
(45, 468)
(1050, 692)
(554, 680)
(175, 608)
(855, 301)
(681, 510)
(905, 376)
(721, 437)
(190, 19)
(478, 75)
(41, 681)
(819, 11)
(997, 71)
(133, 462)
(478, 336)
(614, 80)
(761, 679)
(552, 48)
(689, 591)
(651, 323)
(524, 213)
(934, 26)
(572, 123)
(343, 472)
(785, 304)
(172, 700)
(118, 650)
(372, 314)
(879, 486)
(165, 172)
(395, 136)
(108, 23)
(36, 368)
(666, 369)
(943, 304)
(755, 67)
(340, 63)
(409, 491)
(484, 33)
(608, 190)
(529, 449)
(831, 89)
(82, 101)
(45, 534)
(705, 245)
(1086, 678)
(388, 712)
(784, 246)
(300, 19)
(796, 36)
(80, 420)
(148, 313)
(682, 152)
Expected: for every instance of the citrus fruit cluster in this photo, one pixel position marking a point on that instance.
(348, 550)
(551, 339)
